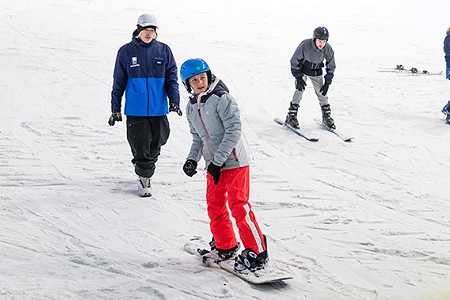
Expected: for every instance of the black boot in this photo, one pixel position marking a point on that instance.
(249, 260)
(217, 255)
(326, 116)
(291, 117)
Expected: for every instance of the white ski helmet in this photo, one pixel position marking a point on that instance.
(147, 20)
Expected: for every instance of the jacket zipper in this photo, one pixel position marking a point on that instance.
(208, 144)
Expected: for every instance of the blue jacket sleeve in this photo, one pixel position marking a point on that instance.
(120, 82)
(447, 55)
(171, 79)
(447, 48)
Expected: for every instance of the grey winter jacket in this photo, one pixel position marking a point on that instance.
(215, 125)
(308, 60)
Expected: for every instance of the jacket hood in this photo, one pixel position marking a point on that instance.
(136, 40)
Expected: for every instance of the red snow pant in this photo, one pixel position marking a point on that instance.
(233, 188)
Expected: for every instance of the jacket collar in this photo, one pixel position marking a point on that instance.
(216, 87)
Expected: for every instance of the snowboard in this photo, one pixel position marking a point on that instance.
(270, 274)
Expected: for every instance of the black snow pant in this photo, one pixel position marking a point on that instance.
(145, 136)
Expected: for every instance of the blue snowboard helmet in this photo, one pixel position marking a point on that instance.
(192, 67)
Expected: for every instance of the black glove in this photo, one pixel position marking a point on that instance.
(328, 78)
(300, 83)
(190, 167)
(174, 107)
(115, 116)
(215, 171)
(324, 89)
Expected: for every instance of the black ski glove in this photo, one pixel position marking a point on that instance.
(215, 171)
(324, 89)
(115, 116)
(176, 108)
(328, 78)
(190, 167)
(300, 84)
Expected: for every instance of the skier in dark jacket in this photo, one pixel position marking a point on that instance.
(307, 61)
(446, 109)
(146, 72)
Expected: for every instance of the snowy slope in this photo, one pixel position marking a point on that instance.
(361, 220)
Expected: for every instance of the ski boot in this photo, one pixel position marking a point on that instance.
(326, 116)
(291, 117)
(218, 255)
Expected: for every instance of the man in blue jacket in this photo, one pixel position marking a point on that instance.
(146, 72)
(446, 109)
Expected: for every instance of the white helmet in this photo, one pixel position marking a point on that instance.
(147, 20)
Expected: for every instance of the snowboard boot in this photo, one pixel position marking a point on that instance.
(326, 116)
(291, 117)
(144, 187)
(217, 255)
(250, 261)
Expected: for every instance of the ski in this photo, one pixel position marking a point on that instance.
(413, 71)
(340, 135)
(295, 130)
(270, 274)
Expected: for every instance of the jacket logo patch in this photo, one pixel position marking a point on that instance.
(134, 62)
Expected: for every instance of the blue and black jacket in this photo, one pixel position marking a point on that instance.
(447, 54)
(147, 73)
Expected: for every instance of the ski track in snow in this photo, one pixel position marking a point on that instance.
(361, 220)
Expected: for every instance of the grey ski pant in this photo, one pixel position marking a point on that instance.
(317, 82)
